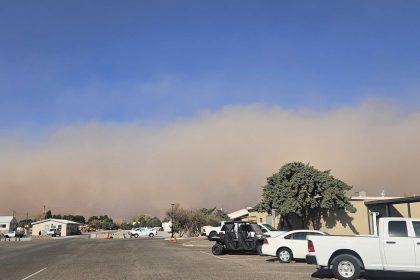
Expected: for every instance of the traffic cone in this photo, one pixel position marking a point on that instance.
(173, 238)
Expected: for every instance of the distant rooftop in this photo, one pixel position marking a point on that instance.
(56, 220)
(6, 219)
(372, 197)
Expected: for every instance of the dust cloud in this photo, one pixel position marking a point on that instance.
(212, 159)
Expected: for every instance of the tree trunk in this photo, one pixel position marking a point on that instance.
(286, 219)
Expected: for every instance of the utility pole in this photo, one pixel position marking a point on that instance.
(172, 220)
(44, 212)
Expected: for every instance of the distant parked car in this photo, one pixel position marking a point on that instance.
(290, 245)
(137, 232)
(269, 231)
(210, 231)
(87, 228)
(14, 234)
(54, 232)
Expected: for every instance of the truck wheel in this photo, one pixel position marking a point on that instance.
(346, 267)
(284, 255)
(136, 235)
(217, 250)
(212, 234)
(151, 235)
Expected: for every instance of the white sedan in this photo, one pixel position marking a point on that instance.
(290, 245)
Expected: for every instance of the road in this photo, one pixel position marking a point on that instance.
(141, 259)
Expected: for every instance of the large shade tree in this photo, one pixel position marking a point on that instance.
(299, 190)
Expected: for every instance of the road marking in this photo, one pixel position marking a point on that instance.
(35, 273)
(211, 255)
(188, 244)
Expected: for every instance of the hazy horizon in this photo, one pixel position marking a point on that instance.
(219, 158)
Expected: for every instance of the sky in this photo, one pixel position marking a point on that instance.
(218, 85)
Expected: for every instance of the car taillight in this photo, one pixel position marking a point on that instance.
(311, 248)
(265, 241)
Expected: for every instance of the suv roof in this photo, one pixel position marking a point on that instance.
(239, 222)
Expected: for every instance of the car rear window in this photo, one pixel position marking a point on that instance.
(300, 235)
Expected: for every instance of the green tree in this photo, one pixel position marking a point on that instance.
(48, 214)
(301, 190)
(124, 226)
(25, 222)
(102, 222)
(154, 222)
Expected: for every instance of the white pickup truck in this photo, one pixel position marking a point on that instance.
(210, 231)
(395, 248)
(136, 232)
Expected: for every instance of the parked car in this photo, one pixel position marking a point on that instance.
(395, 246)
(87, 228)
(54, 232)
(269, 231)
(289, 246)
(238, 237)
(137, 232)
(18, 234)
(210, 231)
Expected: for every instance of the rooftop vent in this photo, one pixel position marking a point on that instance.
(360, 194)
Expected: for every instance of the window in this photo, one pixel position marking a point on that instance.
(397, 229)
(260, 220)
(269, 227)
(262, 229)
(300, 235)
(3, 225)
(288, 236)
(416, 226)
(314, 233)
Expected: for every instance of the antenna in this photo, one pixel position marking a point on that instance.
(383, 193)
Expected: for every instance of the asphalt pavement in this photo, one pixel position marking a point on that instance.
(149, 258)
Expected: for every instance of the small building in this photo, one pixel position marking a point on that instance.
(8, 224)
(342, 222)
(167, 226)
(64, 226)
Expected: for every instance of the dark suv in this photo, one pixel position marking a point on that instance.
(238, 237)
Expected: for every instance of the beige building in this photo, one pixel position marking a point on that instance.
(66, 227)
(342, 222)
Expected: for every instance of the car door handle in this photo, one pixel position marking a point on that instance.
(391, 242)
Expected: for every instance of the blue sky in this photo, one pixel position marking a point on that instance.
(73, 61)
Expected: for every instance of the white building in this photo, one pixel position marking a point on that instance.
(64, 226)
(8, 224)
(167, 226)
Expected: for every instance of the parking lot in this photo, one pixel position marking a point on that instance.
(83, 258)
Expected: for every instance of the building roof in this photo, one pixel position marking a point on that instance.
(398, 200)
(56, 220)
(6, 219)
(371, 198)
(238, 214)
